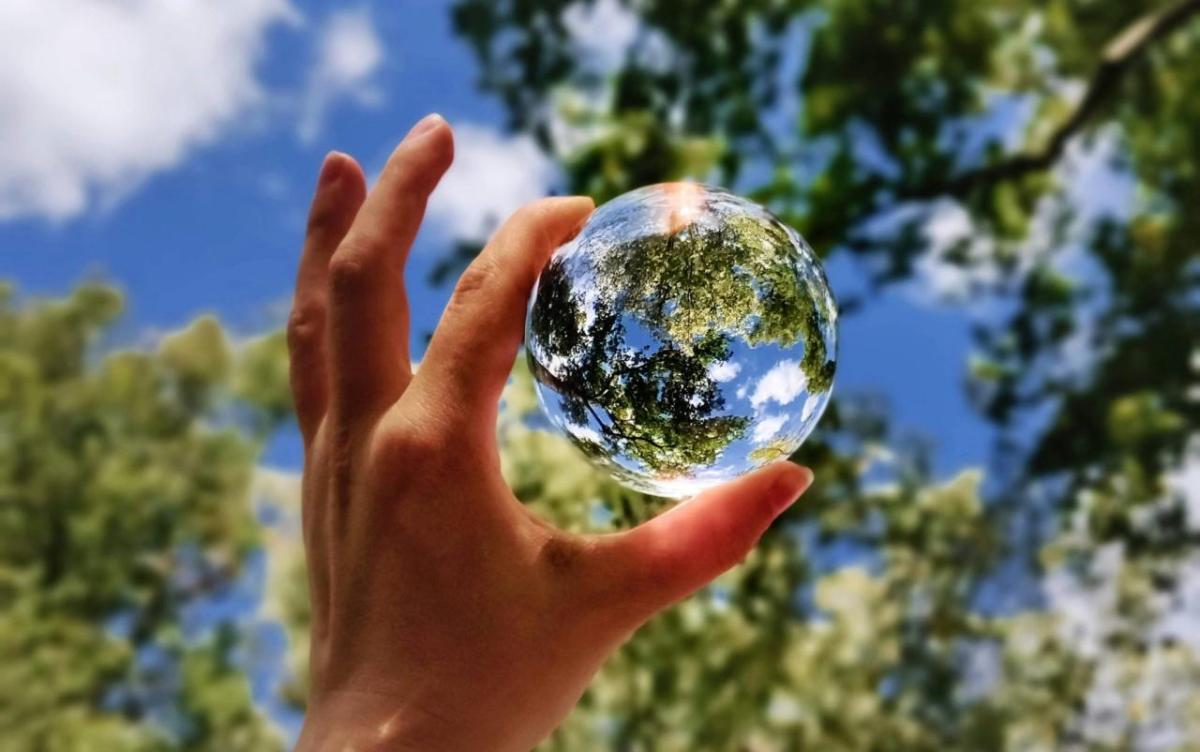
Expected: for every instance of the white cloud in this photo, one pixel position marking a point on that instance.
(1087, 606)
(602, 31)
(1184, 481)
(603, 35)
(492, 176)
(1096, 185)
(766, 427)
(982, 667)
(276, 488)
(348, 55)
(96, 96)
(606, 31)
(957, 263)
(783, 384)
(948, 224)
(275, 496)
(724, 371)
(1182, 620)
(1087, 603)
(961, 261)
(584, 433)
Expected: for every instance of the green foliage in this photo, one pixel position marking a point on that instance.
(1088, 366)
(124, 479)
(747, 664)
(656, 407)
(121, 505)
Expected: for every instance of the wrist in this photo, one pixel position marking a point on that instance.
(368, 722)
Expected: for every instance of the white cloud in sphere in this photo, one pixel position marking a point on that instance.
(782, 384)
(492, 176)
(725, 370)
(96, 96)
(766, 428)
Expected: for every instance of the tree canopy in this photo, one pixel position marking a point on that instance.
(865, 125)
(1043, 602)
(124, 508)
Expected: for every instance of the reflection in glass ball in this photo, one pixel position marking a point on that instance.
(685, 336)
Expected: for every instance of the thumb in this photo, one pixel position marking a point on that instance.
(683, 549)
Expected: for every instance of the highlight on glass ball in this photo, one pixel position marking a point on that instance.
(684, 337)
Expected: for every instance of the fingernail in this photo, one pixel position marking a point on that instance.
(425, 124)
(331, 168)
(789, 487)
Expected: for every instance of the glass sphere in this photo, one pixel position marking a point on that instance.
(685, 336)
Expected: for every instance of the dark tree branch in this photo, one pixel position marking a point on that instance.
(613, 425)
(1119, 56)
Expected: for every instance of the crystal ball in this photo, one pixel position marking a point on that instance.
(683, 337)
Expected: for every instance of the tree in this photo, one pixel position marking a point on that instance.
(1034, 608)
(895, 115)
(124, 510)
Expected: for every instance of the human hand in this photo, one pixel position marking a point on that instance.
(446, 616)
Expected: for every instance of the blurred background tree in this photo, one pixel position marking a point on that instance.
(864, 123)
(1035, 604)
(124, 511)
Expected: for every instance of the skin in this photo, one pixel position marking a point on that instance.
(446, 616)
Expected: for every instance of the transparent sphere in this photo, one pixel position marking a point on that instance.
(685, 336)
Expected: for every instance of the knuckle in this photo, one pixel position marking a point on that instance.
(476, 279)
(351, 268)
(402, 453)
(323, 216)
(562, 553)
(304, 325)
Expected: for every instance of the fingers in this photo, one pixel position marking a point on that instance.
(683, 549)
(472, 351)
(339, 193)
(368, 306)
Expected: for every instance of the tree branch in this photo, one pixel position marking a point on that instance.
(1119, 56)
(613, 428)
(613, 424)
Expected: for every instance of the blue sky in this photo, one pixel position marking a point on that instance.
(195, 204)
(170, 149)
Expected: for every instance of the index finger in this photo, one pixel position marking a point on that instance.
(473, 348)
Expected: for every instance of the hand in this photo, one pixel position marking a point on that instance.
(446, 615)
